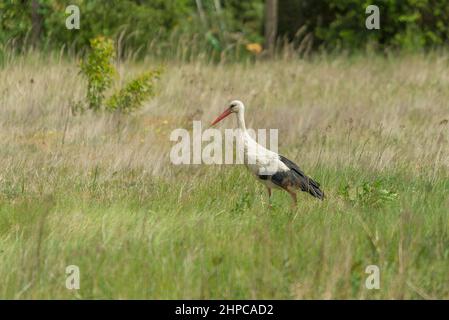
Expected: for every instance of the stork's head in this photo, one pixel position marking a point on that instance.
(235, 106)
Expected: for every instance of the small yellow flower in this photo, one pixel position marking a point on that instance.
(254, 48)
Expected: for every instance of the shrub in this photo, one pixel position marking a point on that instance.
(371, 194)
(131, 97)
(99, 70)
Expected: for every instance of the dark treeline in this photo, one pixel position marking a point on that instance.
(192, 27)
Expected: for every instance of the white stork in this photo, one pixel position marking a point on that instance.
(272, 169)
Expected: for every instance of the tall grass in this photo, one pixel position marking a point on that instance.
(99, 191)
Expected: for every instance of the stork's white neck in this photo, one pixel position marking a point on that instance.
(241, 121)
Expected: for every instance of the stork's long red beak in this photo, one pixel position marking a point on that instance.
(226, 113)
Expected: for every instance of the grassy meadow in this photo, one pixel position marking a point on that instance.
(98, 190)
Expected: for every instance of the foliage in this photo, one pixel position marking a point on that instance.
(14, 21)
(371, 194)
(131, 97)
(408, 24)
(99, 70)
(223, 28)
(138, 20)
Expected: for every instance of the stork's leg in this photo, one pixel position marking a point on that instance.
(269, 197)
(293, 195)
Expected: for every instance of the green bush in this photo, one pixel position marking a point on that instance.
(368, 193)
(131, 97)
(99, 70)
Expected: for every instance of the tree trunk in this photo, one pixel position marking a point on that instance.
(199, 6)
(271, 24)
(36, 22)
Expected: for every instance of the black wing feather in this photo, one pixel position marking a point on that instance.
(306, 183)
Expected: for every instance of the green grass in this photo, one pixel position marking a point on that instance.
(134, 236)
(98, 191)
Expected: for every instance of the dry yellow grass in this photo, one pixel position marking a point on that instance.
(395, 109)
